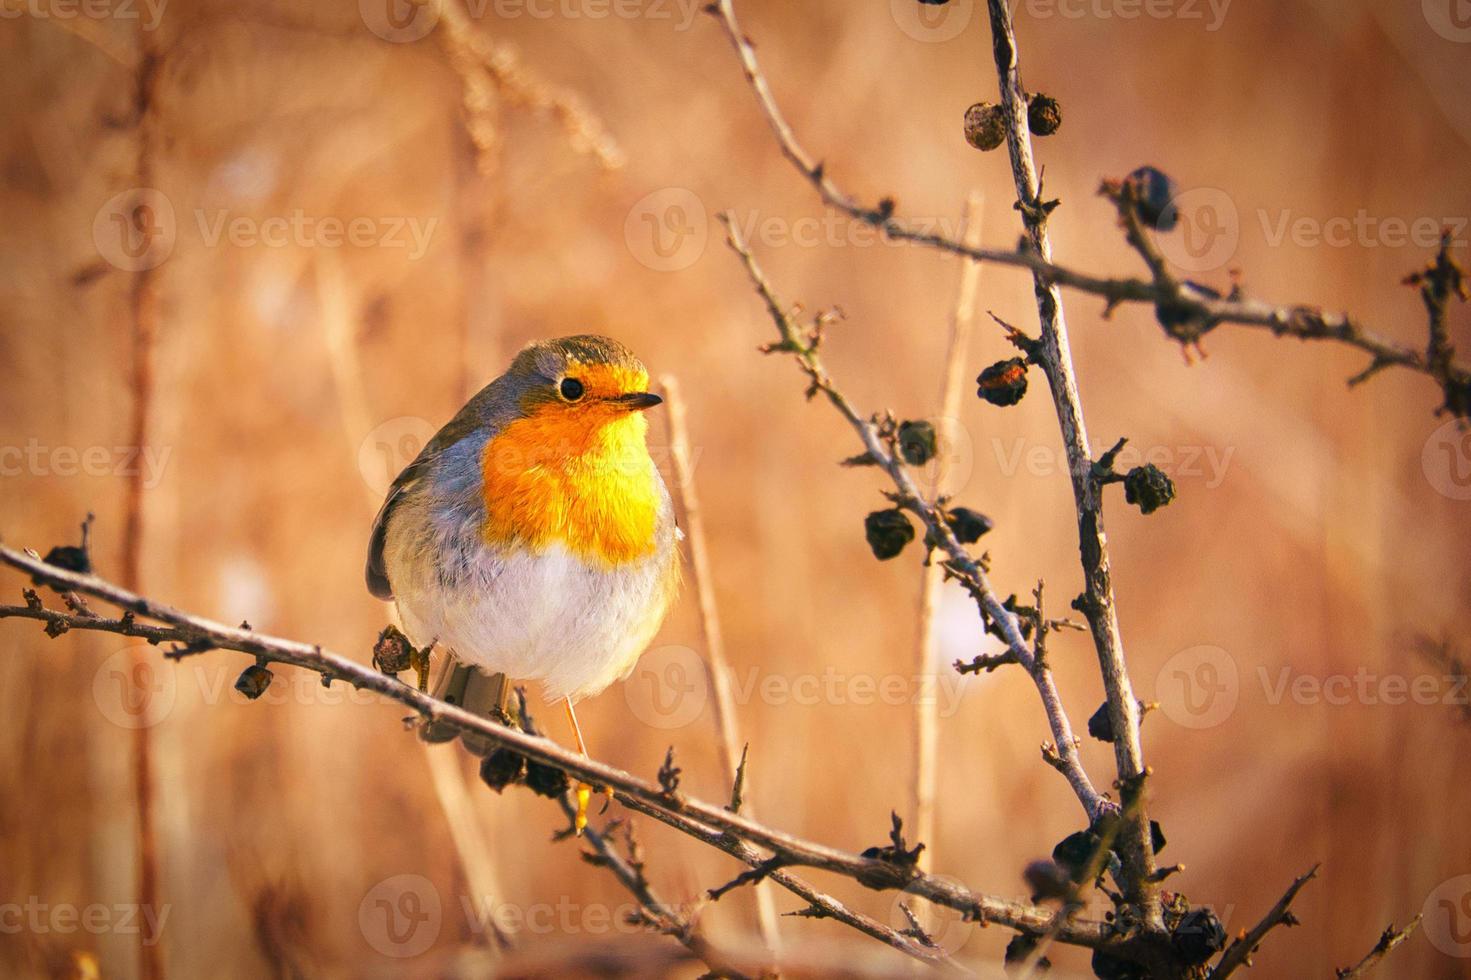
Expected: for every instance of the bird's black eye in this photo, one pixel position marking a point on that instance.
(571, 389)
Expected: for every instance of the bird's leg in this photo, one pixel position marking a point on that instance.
(583, 790)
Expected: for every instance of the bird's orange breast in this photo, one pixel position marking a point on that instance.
(576, 479)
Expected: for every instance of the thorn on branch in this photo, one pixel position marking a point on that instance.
(751, 876)
(668, 777)
(738, 788)
(902, 860)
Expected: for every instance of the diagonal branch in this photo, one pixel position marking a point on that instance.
(1304, 321)
(1238, 954)
(802, 343)
(1388, 940)
(640, 794)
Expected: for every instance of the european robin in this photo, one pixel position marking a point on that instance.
(533, 537)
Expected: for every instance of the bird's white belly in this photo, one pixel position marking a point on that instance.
(549, 617)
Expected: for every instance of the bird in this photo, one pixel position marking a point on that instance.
(533, 537)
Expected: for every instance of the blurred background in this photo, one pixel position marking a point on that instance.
(356, 215)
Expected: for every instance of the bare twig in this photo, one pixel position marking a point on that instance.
(926, 720)
(1390, 938)
(657, 914)
(802, 342)
(1238, 954)
(143, 311)
(639, 794)
(1303, 321)
(727, 727)
(1097, 602)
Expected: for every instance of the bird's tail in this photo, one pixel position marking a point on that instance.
(487, 695)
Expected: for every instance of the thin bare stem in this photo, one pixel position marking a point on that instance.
(1388, 941)
(1303, 321)
(872, 872)
(727, 726)
(1097, 603)
(801, 342)
(926, 720)
(1238, 954)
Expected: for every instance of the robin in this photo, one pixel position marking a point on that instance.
(533, 537)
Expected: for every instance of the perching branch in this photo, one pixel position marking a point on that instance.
(198, 634)
(1305, 321)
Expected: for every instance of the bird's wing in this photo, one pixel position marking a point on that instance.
(468, 422)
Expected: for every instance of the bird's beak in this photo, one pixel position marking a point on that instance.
(637, 401)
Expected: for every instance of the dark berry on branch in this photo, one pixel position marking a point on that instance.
(1044, 115)
(1154, 197)
(1003, 383)
(1148, 488)
(888, 531)
(1198, 937)
(917, 442)
(985, 126)
(967, 525)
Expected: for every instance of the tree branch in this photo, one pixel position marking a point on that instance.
(1304, 321)
(634, 792)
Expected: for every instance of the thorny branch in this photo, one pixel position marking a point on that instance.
(1181, 299)
(1097, 602)
(716, 825)
(803, 341)
(1390, 938)
(1238, 954)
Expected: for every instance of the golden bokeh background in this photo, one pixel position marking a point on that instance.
(1318, 530)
